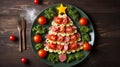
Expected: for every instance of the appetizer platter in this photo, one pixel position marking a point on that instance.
(62, 35)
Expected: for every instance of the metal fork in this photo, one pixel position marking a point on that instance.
(23, 25)
(20, 35)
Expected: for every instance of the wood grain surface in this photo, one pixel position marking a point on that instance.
(105, 15)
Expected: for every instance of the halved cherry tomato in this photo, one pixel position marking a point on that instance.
(37, 38)
(60, 47)
(72, 41)
(42, 53)
(24, 60)
(83, 21)
(41, 20)
(52, 46)
(60, 38)
(73, 46)
(65, 20)
(69, 29)
(62, 29)
(58, 20)
(52, 37)
(73, 37)
(36, 1)
(12, 37)
(86, 46)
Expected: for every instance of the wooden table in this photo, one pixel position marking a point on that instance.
(105, 15)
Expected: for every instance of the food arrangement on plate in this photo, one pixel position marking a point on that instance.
(62, 34)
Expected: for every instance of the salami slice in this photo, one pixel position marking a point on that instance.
(77, 35)
(45, 43)
(74, 27)
(80, 43)
(62, 57)
(66, 47)
(67, 39)
(54, 28)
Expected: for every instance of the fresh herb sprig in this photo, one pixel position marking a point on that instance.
(39, 29)
(39, 46)
(79, 55)
(73, 13)
(85, 30)
(52, 57)
(50, 13)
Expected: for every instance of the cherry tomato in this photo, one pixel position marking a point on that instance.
(72, 41)
(36, 1)
(83, 21)
(41, 20)
(86, 46)
(58, 20)
(37, 38)
(60, 47)
(73, 46)
(24, 60)
(62, 29)
(42, 53)
(69, 29)
(60, 38)
(65, 20)
(73, 37)
(52, 46)
(12, 37)
(52, 37)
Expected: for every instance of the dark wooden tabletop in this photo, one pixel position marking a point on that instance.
(105, 15)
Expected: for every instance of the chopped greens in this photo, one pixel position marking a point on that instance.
(86, 38)
(50, 13)
(73, 13)
(79, 55)
(84, 29)
(39, 46)
(52, 57)
(39, 29)
(85, 33)
(70, 58)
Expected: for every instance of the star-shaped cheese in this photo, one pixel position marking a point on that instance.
(61, 9)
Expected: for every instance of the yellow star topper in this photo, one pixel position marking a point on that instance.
(61, 9)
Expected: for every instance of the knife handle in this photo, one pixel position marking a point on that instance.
(20, 41)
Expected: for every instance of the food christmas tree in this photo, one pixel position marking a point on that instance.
(63, 37)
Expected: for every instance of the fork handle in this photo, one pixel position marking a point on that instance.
(20, 41)
(24, 39)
